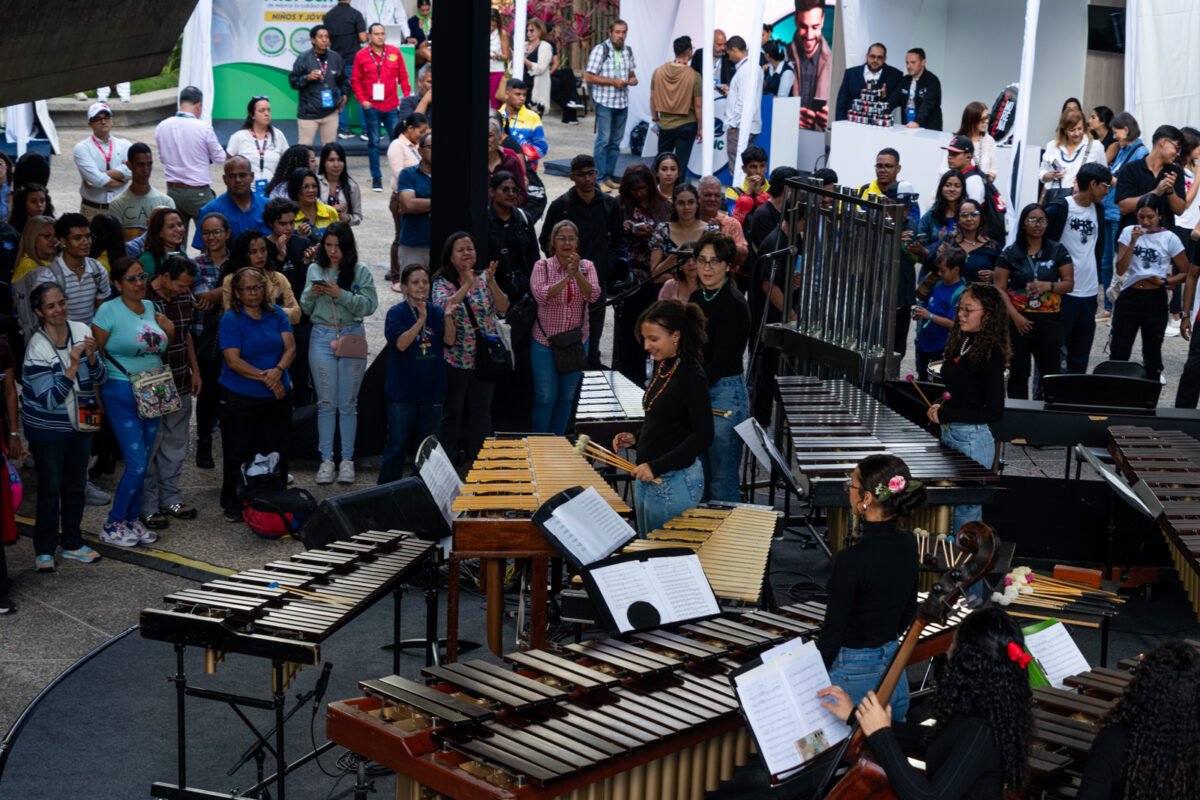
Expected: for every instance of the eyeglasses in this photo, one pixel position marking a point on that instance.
(709, 262)
(966, 214)
(1036, 221)
(561, 238)
(254, 287)
(850, 484)
(968, 309)
(217, 232)
(258, 97)
(139, 278)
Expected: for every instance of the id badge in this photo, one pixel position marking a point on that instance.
(260, 186)
(910, 115)
(327, 98)
(376, 91)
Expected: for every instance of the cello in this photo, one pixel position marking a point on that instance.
(866, 778)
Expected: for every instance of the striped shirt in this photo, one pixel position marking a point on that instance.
(46, 393)
(84, 292)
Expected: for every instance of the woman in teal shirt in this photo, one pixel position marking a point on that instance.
(133, 337)
(338, 294)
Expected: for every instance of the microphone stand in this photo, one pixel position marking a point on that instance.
(616, 299)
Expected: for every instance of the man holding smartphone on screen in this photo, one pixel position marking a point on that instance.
(812, 60)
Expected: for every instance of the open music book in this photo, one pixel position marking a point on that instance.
(583, 527)
(440, 479)
(778, 694)
(1056, 652)
(640, 591)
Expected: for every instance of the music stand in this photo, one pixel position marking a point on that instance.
(1120, 394)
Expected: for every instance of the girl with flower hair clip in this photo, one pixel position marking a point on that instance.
(873, 587)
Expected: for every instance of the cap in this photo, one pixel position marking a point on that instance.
(961, 144)
(96, 109)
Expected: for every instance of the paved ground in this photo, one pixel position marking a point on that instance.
(62, 616)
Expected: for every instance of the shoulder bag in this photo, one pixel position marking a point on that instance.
(567, 347)
(347, 345)
(154, 390)
(83, 408)
(492, 360)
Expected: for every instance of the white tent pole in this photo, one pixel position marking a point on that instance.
(709, 124)
(518, 39)
(1021, 123)
(1133, 9)
(751, 104)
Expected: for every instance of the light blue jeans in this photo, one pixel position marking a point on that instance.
(724, 456)
(337, 382)
(656, 503)
(610, 129)
(136, 437)
(860, 671)
(553, 393)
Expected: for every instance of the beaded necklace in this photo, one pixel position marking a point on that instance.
(709, 298)
(658, 374)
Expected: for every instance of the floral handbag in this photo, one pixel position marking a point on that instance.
(154, 390)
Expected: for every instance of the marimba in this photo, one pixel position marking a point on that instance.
(281, 612)
(609, 403)
(509, 480)
(832, 425)
(1169, 463)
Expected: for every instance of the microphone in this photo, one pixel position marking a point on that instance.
(780, 252)
(322, 685)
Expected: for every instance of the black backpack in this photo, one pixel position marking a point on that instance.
(995, 209)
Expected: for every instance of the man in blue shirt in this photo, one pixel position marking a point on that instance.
(240, 205)
(415, 187)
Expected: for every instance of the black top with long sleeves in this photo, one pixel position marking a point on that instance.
(976, 387)
(727, 323)
(962, 761)
(679, 420)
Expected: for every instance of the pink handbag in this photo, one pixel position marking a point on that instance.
(348, 345)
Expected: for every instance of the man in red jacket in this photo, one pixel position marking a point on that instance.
(378, 70)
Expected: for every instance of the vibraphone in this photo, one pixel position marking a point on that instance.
(832, 425)
(1169, 463)
(281, 612)
(642, 717)
(509, 480)
(609, 403)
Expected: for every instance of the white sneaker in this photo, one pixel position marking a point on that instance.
(574, 104)
(1172, 328)
(346, 472)
(325, 472)
(116, 533)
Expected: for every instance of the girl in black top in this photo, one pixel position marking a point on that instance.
(678, 427)
(1034, 273)
(1149, 744)
(973, 372)
(979, 748)
(873, 588)
(725, 310)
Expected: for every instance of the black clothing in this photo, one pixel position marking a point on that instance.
(976, 388)
(724, 66)
(1143, 310)
(854, 81)
(1135, 179)
(416, 32)
(929, 100)
(679, 421)
(408, 106)
(335, 79)
(292, 266)
(250, 425)
(872, 591)
(601, 230)
(762, 275)
(1041, 266)
(513, 243)
(763, 220)
(962, 761)
(1105, 763)
(727, 322)
(345, 23)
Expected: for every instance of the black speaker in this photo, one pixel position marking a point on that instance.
(403, 505)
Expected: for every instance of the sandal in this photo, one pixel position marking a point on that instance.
(180, 511)
(156, 522)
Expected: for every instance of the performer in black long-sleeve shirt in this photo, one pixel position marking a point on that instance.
(873, 588)
(973, 371)
(979, 748)
(678, 426)
(725, 310)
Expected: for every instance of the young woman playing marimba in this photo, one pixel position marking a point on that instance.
(979, 748)
(678, 426)
(1149, 744)
(873, 588)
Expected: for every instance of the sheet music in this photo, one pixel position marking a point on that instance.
(594, 530)
(442, 481)
(675, 586)
(780, 701)
(685, 587)
(745, 429)
(622, 585)
(1057, 652)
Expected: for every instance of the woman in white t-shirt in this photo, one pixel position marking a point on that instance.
(258, 141)
(1070, 149)
(1145, 254)
(974, 125)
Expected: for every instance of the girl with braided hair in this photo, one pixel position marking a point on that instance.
(983, 707)
(1149, 744)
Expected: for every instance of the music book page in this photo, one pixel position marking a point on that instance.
(589, 527)
(781, 706)
(653, 592)
(442, 481)
(1057, 652)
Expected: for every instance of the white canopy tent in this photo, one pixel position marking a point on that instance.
(1163, 87)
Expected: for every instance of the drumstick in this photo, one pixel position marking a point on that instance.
(722, 413)
(584, 446)
(324, 598)
(913, 380)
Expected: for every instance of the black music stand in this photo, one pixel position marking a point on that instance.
(766, 453)
(1100, 394)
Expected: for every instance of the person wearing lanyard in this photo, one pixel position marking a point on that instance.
(319, 75)
(187, 146)
(259, 142)
(378, 70)
(341, 191)
(100, 159)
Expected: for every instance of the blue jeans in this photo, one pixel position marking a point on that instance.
(724, 456)
(974, 442)
(337, 381)
(136, 437)
(1105, 272)
(61, 485)
(656, 503)
(344, 114)
(610, 128)
(553, 394)
(407, 424)
(372, 119)
(860, 671)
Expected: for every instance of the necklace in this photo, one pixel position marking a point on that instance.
(709, 298)
(658, 375)
(963, 348)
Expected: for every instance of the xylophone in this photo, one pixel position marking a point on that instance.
(642, 717)
(1169, 463)
(832, 425)
(509, 480)
(281, 612)
(608, 404)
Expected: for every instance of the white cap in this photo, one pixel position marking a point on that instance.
(95, 109)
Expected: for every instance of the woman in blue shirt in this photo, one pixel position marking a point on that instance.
(256, 392)
(133, 336)
(416, 333)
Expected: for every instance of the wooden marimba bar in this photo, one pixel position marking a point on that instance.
(832, 425)
(1169, 463)
(507, 483)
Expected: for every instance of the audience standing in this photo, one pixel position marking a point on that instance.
(1070, 149)
(341, 191)
(259, 142)
(132, 207)
(312, 215)
(611, 70)
(378, 73)
(206, 322)
(187, 146)
(164, 237)
(319, 75)
(240, 205)
(744, 89)
(1127, 147)
(347, 33)
(415, 187)
(100, 159)
(676, 104)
